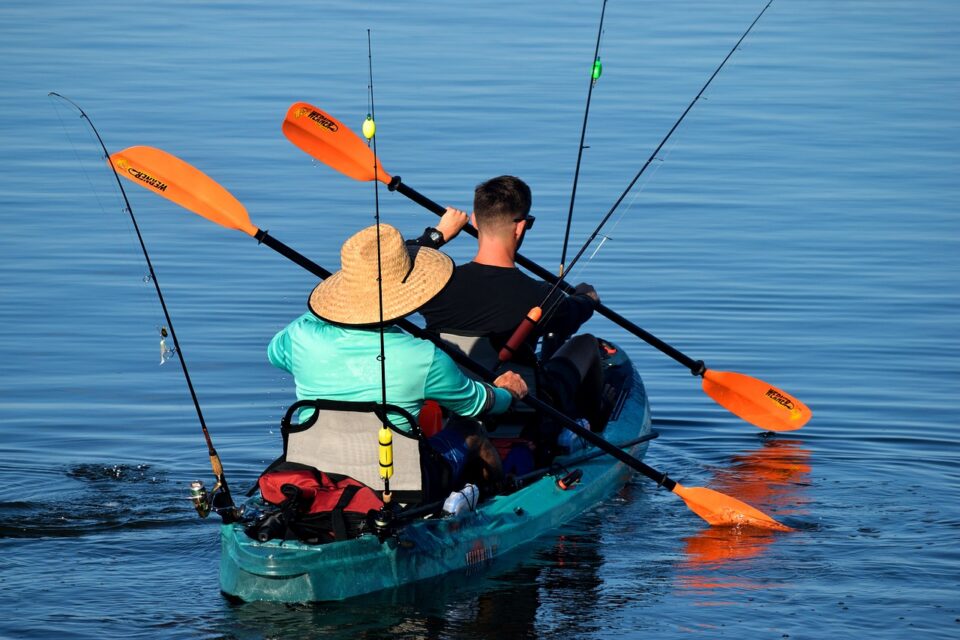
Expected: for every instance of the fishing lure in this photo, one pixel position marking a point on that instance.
(166, 351)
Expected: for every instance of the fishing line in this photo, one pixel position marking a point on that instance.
(582, 268)
(127, 249)
(76, 152)
(228, 510)
(648, 179)
(635, 195)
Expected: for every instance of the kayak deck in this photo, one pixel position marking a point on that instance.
(291, 571)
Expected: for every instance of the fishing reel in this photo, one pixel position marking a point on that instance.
(200, 498)
(214, 500)
(383, 523)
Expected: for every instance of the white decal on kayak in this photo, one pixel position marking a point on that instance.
(480, 553)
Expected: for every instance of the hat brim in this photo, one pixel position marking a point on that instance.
(339, 301)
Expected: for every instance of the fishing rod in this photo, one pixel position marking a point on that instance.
(370, 133)
(219, 498)
(385, 435)
(537, 315)
(653, 155)
(197, 192)
(595, 71)
(749, 398)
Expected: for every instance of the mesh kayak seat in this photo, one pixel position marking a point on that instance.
(343, 438)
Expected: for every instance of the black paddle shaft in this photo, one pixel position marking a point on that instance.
(263, 237)
(696, 367)
(485, 374)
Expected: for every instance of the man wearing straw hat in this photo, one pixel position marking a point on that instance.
(333, 350)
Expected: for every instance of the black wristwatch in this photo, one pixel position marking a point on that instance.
(434, 236)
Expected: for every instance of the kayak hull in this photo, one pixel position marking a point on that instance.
(290, 571)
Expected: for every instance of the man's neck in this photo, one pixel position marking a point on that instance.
(495, 252)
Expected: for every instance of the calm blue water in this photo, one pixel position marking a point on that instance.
(802, 228)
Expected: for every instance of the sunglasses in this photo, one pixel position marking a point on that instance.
(528, 219)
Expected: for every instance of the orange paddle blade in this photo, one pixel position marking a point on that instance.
(174, 179)
(721, 510)
(755, 401)
(331, 142)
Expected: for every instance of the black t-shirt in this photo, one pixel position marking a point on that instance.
(491, 301)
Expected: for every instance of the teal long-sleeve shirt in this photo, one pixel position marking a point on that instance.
(340, 363)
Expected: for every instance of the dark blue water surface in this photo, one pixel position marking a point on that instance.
(802, 226)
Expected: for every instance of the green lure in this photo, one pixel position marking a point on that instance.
(597, 69)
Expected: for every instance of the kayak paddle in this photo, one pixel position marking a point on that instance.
(174, 179)
(327, 139)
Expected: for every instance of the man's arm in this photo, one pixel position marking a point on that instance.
(566, 317)
(446, 230)
(565, 313)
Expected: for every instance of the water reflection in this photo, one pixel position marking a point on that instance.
(515, 597)
(771, 478)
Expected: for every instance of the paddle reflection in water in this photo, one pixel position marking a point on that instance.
(773, 477)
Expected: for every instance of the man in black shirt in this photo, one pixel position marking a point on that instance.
(490, 296)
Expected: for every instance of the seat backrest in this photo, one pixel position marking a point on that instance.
(344, 438)
(480, 348)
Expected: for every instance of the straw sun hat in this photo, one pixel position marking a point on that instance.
(411, 277)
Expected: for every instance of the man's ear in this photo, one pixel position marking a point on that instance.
(519, 228)
(473, 219)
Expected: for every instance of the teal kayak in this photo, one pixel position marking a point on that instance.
(292, 571)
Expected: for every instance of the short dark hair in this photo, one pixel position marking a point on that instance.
(502, 199)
